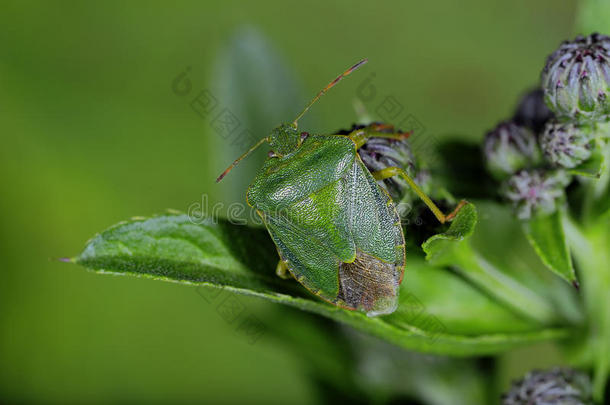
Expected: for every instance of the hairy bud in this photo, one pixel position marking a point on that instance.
(558, 386)
(567, 145)
(510, 148)
(576, 79)
(380, 153)
(535, 192)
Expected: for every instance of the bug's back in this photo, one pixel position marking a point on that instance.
(336, 228)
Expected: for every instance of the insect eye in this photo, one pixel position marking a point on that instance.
(304, 136)
(271, 154)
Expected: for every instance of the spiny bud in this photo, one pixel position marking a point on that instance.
(532, 112)
(576, 79)
(509, 148)
(558, 386)
(535, 192)
(380, 153)
(567, 145)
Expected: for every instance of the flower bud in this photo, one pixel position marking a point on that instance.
(558, 386)
(576, 79)
(509, 148)
(532, 112)
(380, 153)
(567, 145)
(535, 192)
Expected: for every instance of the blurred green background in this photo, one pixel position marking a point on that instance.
(92, 133)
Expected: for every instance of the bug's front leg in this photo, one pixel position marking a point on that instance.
(397, 171)
(360, 136)
(282, 270)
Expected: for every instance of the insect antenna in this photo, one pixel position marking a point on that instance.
(236, 161)
(325, 89)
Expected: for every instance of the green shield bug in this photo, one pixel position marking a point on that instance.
(336, 230)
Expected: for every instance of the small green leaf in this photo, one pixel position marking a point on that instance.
(592, 167)
(547, 237)
(441, 248)
(242, 259)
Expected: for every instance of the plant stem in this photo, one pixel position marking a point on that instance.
(590, 246)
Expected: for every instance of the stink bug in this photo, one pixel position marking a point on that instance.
(336, 230)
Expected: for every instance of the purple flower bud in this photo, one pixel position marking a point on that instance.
(576, 79)
(380, 153)
(535, 192)
(567, 145)
(558, 386)
(509, 148)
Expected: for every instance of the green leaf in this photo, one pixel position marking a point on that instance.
(441, 248)
(253, 82)
(177, 247)
(547, 237)
(453, 248)
(430, 293)
(242, 259)
(592, 167)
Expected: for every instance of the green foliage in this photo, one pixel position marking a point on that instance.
(241, 259)
(453, 248)
(590, 246)
(442, 248)
(92, 134)
(546, 235)
(456, 298)
(255, 84)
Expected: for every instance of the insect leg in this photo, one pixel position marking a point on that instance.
(360, 136)
(282, 270)
(397, 171)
